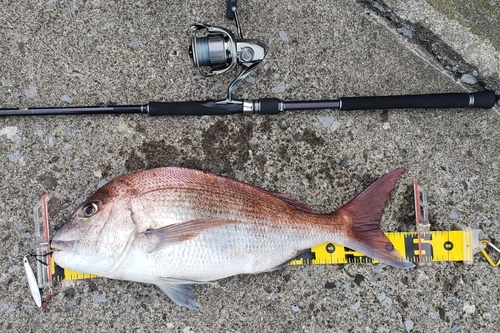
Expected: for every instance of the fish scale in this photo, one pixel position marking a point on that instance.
(173, 227)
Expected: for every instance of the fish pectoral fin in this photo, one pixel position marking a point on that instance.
(181, 294)
(179, 232)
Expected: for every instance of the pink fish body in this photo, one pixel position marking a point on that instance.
(173, 227)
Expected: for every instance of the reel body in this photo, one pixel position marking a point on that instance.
(220, 50)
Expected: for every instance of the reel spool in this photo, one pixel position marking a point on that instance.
(220, 50)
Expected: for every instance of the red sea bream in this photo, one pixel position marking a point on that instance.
(174, 227)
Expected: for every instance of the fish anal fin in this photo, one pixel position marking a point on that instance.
(181, 294)
(286, 263)
(362, 216)
(180, 232)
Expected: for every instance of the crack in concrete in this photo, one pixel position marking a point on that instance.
(424, 38)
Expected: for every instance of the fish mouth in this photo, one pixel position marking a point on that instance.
(60, 245)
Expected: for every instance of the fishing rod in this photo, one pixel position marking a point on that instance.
(222, 51)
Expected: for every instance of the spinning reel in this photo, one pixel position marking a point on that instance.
(222, 51)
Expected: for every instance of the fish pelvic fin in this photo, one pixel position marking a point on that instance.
(361, 217)
(180, 293)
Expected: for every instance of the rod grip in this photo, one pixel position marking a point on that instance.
(269, 105)
(193, 108)
(482, 99)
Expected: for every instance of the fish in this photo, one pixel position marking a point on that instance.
(174, 227)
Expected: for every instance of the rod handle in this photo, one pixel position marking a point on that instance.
(482, 99)
(193, 108)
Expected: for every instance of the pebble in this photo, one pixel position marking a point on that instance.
(14, 158)
(378, 6)
(99, 298)
(295, 308)
(14, 268)
(31, 92)
(384, 300)
(469, 309)
(423, 306)
(9, 131)
(240, 175)
(405, 32)
(283, 36)
(137, 44)
(101, 183)
(329, 122)
(453, 215)
(66, 98)
(356, 305)
(408, 325)
(8, 309)
(469, 79)
(250, 79)
(16, 139)
(456, 327)
(278, 89)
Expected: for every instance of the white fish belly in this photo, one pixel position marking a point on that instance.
(218, 253)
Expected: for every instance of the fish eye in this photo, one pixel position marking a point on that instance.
(90, 209)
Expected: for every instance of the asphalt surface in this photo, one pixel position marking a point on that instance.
(61, 53)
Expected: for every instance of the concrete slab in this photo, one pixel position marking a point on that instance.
(469, 28)
(57, 53)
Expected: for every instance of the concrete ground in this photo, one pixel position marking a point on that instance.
(62, 53)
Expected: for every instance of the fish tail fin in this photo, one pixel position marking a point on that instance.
(361, 218)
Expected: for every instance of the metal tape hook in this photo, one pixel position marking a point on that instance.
(487, 256)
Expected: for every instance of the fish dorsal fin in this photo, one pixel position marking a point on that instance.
(293, 202)
(179, 232)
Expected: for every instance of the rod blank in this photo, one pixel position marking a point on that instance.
(482, 99)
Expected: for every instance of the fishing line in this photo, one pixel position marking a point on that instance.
(40, 255)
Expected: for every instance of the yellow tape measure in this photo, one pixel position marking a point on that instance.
(60, 274)
(415, 247)
(431, 246)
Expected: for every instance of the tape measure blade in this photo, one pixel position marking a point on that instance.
(63, 274)
(435, 246)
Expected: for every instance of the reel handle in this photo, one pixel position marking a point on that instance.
(229, 12)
